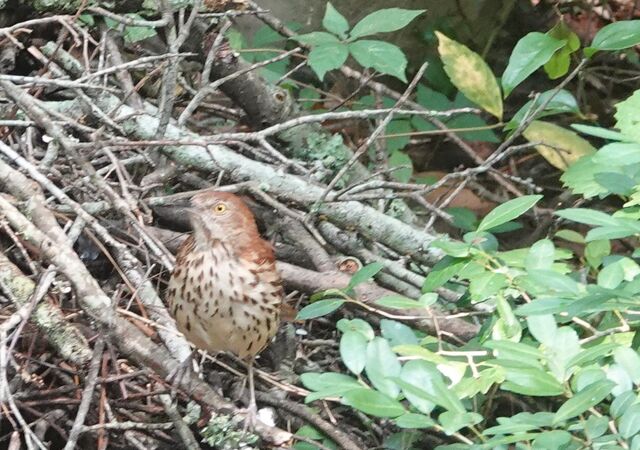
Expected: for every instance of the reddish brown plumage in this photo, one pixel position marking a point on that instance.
(225, 292)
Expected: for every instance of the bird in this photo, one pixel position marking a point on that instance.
(225, 292)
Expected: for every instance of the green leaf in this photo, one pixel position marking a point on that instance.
(237, 41)
(629, 361)
(588, 217)
(611, 276)
(381, 56)
(479, 130)
(618, 153)
(487, 285)
(381, 364)
(414, 421)
(353, 351)
(319, 308)
(357, 325)
(431, 99)
(327, 385)
(556, 103)
(552, 282)
(628, 116)
(558, 65)
(540, 255)
(132, 33)
(334, 21)
(398, 302)
(309, 431)
(515, 351)
(397, 333)
(318, 381)
(443, 271)
(135, 34)
(428, 299)
(553, 440)
(469, 387)
(326, 57)
(452, 248)
(316, 38)
(384, 21)
(544, 306)
(265, 36)
(420, 373)
(559, 350)
(405, 164)
(530, 53)
(500, 441)
(463, 218)
(365, 274)
(87, 19)
(508, 211)
(518, 424)
(559, 146)
(403, 440)
(531, 381)
(373, 403)
(611, 232)
(592, 354)
(419, 352)
(622, 403)
(454, 421)
(470, 74)
(595, 251)
(629, 424)
(583, 400)
(571, 236)
(603, 133)
(596, 426)
(441, 395)
(580, 178)
(543, 328)
(507, 327)
(617, 36)
(398, 126)
(615, 183)
(618, 375)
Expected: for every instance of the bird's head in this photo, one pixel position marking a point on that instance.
(221, 216)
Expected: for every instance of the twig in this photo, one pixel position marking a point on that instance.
(7, 397)
(87, 395)
(337, 435)
(381, 126)
(169, 76)
(184, 432)
(129, 21)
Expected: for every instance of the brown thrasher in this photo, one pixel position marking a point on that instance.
(225, 292)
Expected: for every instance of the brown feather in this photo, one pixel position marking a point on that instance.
(225, 292)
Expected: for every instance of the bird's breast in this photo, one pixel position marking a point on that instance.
(222, 302)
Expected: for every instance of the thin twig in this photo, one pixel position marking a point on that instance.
(381, 126)
(87, 395)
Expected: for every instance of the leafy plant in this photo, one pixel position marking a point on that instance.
(131, 33)
(330, 48)
(562, 322)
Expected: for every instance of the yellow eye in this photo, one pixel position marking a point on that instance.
(220, 208)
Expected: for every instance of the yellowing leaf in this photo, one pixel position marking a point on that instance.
(562, 147)
(470, 74)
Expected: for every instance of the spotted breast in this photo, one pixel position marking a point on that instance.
(225, 292)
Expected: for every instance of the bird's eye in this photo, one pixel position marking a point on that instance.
(220, 208)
